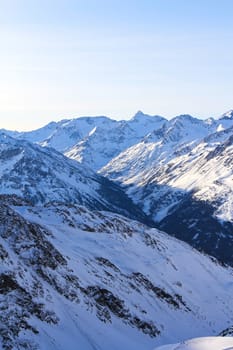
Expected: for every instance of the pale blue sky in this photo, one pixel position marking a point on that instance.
(65, 58)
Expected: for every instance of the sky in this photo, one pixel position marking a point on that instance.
(69, 58)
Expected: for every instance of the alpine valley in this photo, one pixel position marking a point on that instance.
(117, 234)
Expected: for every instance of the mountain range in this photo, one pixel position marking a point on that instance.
(91, 209)
(177, 172)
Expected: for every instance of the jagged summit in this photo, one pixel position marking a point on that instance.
(227, 115)
(140, 115)
(186, 117)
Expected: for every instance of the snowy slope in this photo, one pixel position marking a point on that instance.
(205, 343)
(181, 175)
(40, 175)
(71, 276)
(149, 161)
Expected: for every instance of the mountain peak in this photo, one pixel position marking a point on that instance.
(184, 117)
(140, 116)
(227, 115)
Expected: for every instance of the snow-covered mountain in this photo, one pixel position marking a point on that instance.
(171, 169)
(103, 144)
(41, 175)
(227, 116)
(177, 136)
(63, 134)
(72, 276)
(181, 175)
(93, 141)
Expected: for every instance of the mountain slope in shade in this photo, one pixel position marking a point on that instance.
(71, 276)
(41, 175)
(213, 343)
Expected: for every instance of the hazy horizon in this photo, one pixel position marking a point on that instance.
(117, 119)
(65, 59)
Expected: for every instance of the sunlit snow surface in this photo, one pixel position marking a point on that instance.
(208, 343)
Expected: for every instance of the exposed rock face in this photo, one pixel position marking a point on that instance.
(228, 332)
